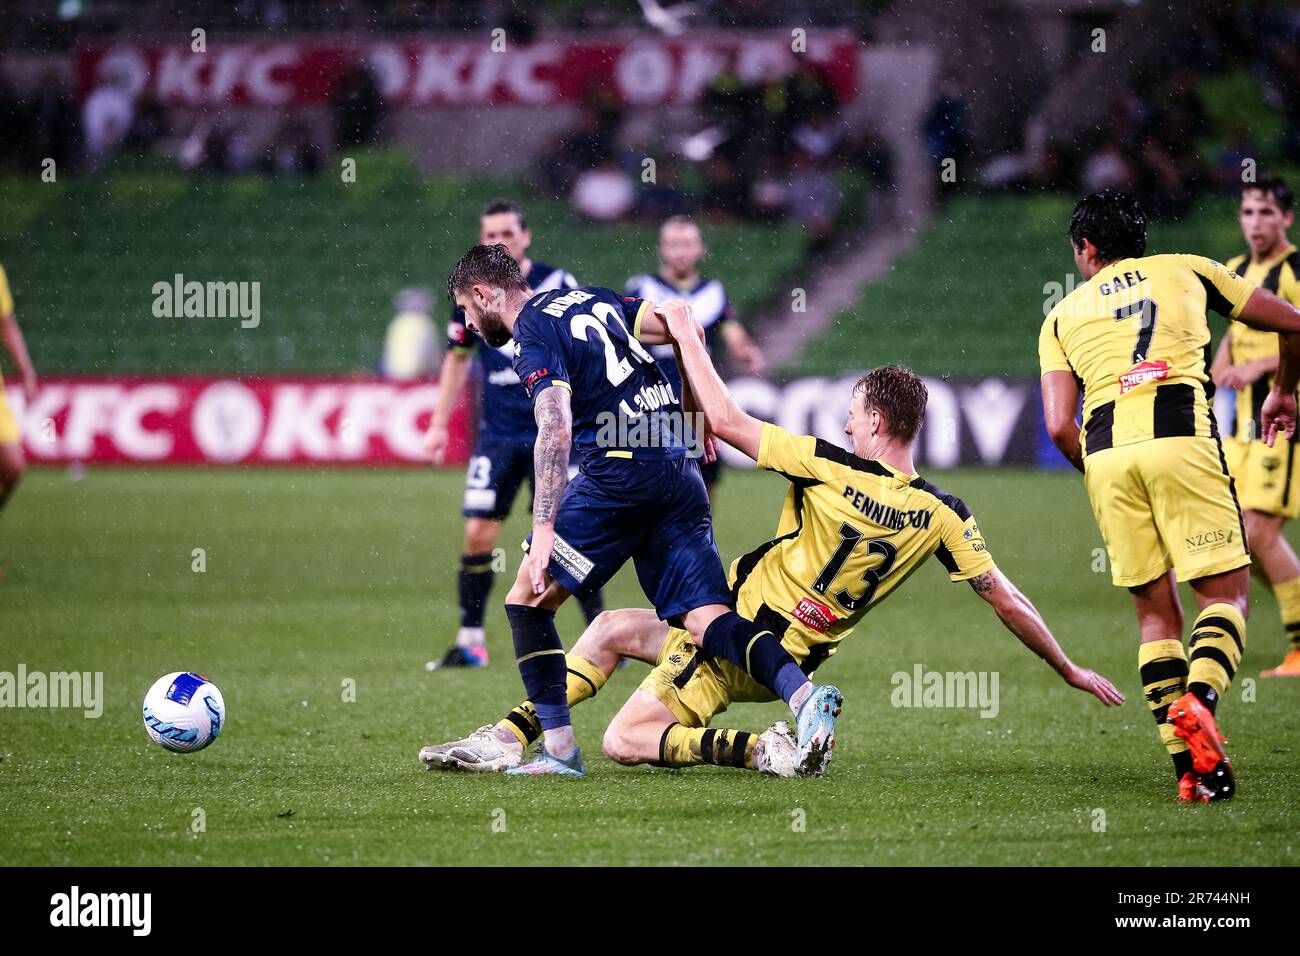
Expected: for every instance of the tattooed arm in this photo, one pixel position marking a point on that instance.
(551, 475)
(1023, 620)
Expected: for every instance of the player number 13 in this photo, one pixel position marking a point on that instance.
(849, 538)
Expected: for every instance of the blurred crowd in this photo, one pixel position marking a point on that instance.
(1157, 136)
(768, 151)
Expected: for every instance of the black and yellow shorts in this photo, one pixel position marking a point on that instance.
(1267, 478)
(1166, 503)
(697, 687)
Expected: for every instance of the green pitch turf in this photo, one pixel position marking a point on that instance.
(316, 578)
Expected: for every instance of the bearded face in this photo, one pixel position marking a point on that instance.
(486, 319)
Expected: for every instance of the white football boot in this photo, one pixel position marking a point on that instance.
(480, 752)
(774, 754)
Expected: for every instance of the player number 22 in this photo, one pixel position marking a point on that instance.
(849, 538)
(616, 369)
(1147, 329)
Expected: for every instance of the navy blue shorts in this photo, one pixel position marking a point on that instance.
(496, 472)
(655, 513)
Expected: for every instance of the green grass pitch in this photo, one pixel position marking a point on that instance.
(316, 577)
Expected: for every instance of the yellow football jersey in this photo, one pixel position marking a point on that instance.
(851, 531)
(1136, 337)
(1280, 274)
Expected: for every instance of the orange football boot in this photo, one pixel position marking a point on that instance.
(1194, 723)
(1290, 667)
(1191, 790)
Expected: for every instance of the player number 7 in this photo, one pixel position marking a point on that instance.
(1147, 329)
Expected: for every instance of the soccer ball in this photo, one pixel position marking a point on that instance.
(184, 711)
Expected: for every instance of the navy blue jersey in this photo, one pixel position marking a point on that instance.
(506, 409)
(585, 340)
(708, 303)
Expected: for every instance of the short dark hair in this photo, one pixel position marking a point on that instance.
(1113, 222)
(505, 205)
(491, 265)
(1274, 186)
(899, 395)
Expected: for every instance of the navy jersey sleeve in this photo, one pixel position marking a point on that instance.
(634, 310)
(539, 362)
(459, 337)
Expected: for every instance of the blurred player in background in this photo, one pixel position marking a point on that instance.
(681, 248)
(853, 528)
(12, 462)
(503, 453)
(1268, 482)
(1135, 337)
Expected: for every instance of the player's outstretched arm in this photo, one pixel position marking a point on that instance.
(725, 417)
(551, 409)
(1023, 620)
(451, 379)
(1060, 402)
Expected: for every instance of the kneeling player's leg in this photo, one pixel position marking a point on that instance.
(665, 722)
(635, 633)
(645, 731)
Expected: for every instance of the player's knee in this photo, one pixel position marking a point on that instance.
(481, 535)
(613, 632)
(1261, 530)
(619, 746)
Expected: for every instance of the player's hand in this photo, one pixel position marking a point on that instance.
(1234, 376)
(539, 555)
(679, 319)
(1278, 416)
(1094, 684)
(435, 443)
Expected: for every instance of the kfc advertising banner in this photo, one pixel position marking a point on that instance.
(640, 71)
(335, 421)
(229, 421)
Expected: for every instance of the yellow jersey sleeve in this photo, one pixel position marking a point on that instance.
(6, 297)
(962, 551)
(1288, 286)
(1225, 291)
(796, 456)
(1051, 354)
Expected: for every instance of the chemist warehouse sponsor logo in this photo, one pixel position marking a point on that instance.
(218, 421)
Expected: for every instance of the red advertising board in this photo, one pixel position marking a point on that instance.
(232, 421)
(640, 71)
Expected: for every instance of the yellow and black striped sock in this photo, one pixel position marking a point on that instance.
(689, 746)
(1288, 604)
(1163, 666)
(584, 680)
(1218, 639)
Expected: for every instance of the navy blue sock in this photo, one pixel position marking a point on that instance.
(474, 582)
(540, 656)
(757, 651)
(592, 605)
